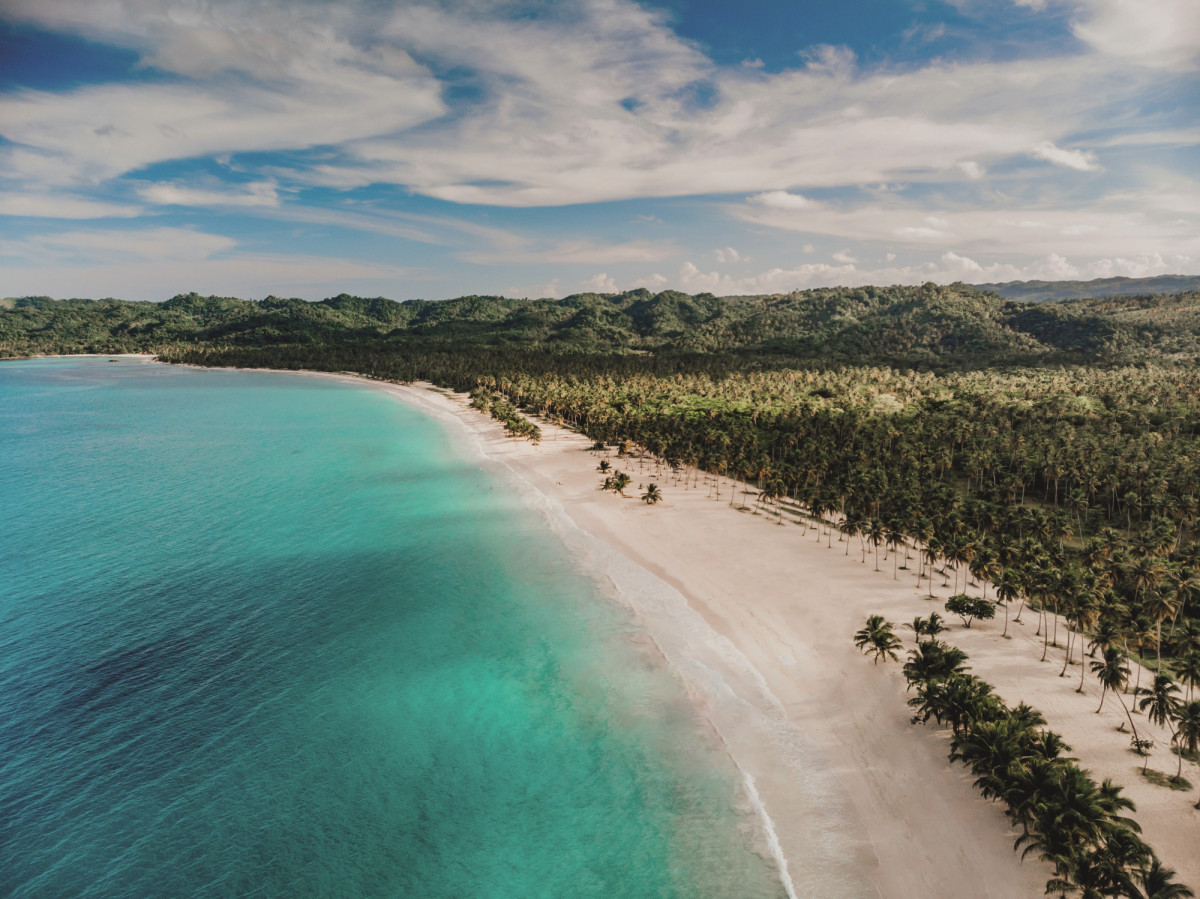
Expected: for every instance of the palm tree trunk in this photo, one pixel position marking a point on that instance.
(1127, 715)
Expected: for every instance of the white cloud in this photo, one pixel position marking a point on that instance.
(827, 59)
(781, 199)
(971, 169)
(1120, 225)
(595, 100)
(651, 282)
(1080, 160)
(1055, 268)
(300, 82)
(118, 245)
(600, 283)
(242, 275)
(578, 251)
(1161, 34)
(259, 193)
(553, 124)
(60, 206)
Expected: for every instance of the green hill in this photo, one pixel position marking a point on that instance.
(927, 326)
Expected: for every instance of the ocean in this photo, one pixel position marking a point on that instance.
(272, 635)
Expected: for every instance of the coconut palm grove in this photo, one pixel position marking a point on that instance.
(1049, 449)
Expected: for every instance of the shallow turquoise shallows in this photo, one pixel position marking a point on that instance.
(267, 635)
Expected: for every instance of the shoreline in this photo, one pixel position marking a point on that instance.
(823, 737)
(789, 605)
(850, 789)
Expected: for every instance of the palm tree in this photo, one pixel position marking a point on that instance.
(1067, 816)
(1113, 673)
(1158, 882)
(1112, 803)
(1008, 588)
(1187, 732)
(878, 638)
(1188, 669)
(652, 494)
(933, 660)
(986, 567)
(1160, 704)
(1159, 605)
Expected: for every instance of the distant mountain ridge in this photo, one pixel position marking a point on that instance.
(1041, 291)
(928, 326)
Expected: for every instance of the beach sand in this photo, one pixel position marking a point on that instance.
(789, 605)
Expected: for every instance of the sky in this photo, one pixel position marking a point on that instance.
(539, 148)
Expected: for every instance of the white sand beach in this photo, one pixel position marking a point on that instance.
(850, 786)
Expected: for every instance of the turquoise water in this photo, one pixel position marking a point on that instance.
(270, 635)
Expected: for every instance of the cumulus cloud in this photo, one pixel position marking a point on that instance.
(728, 255)
(600, 283)
(781, 199)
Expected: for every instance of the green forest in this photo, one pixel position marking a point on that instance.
(1051, 449)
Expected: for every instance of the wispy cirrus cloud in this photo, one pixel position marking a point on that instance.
(63, 206)
(578, 252)
(259, 193)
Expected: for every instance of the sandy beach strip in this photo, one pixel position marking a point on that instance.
(790, 605)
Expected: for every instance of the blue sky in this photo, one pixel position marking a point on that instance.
(434, 149)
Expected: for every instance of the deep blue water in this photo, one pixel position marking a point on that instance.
(270, 635)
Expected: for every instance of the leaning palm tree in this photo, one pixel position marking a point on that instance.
(878, 638)
(1160, 703)
(1113, 673)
